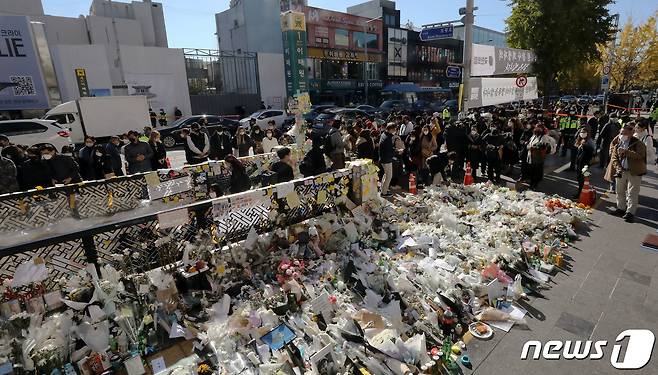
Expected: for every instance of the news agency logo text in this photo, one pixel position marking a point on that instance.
(638, 349)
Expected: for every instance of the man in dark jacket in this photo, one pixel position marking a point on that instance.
(493, 143)
(198, 143)
(220, 144)
(593, 124)
(606, 134)
(64, 169)
(313, 163)
(113, 153)
(336, 147)
(283, 167)
(35, 171)
(8, 176)
(138, 154)
(386, 154)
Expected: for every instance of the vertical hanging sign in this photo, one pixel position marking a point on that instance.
(293, 26)
(81, 77)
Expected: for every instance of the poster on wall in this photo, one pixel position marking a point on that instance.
(21, 81)
(397, 53)
(490, 61)
(158, 88)
(492, 91)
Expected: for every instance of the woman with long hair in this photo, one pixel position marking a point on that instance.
(239, 179)
(427, 147)
(585, 148)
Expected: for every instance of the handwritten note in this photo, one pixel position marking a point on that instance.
(170, 187)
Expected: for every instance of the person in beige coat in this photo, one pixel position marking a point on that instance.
(628, 163)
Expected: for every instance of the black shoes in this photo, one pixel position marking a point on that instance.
(629, 218)
(617, 212)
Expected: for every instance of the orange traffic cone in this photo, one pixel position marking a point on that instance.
(412, 183)
(587, 195)
(468, 178)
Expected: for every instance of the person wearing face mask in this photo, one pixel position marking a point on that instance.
(537, 147)
(198, 143)
(427, 147)
(585, 149)
(269, 142)
(257, 136)
(642, 133)
(138, 154)
(35, 171)
(113, 156)
(414, 155)
(474, 150)
(159, 159)
(64, 169)
(8, 176)
(386, 154)
(220, 144)
(242, 143)
(4, 142)
(627, 166)
(525, 137)
(88, 160)
(493, 143)
(284, 167)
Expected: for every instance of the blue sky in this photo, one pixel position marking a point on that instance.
(191, 23)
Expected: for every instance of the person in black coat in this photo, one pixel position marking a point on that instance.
(523, 149)
(88, 160)
(313, 163)
(493, 143)
(585, 150)
(159, 158)
(112, 160)
(220, 144)
(454, 171)
(283, 167)
(239, 179)
(606, 134)
(365, 149)
(34, 171)
(242, 143)
(474, 150)
(64, 169)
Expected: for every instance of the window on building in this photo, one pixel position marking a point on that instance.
(342, 38)
(389, 20)
(360, 40)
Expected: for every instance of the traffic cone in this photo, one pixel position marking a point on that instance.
(412, 183)
(468, 178)
(587, 195)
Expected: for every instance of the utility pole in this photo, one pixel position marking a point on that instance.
(468, 21)
(608, 66)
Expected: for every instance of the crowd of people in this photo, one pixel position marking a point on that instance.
(435, 148)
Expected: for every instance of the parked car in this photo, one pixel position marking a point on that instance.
(36, 132)
(568, 99)
(584, 100)
(367, 109)
(599, 99)
(264, 116)
(389, 106)
(171, 135)
(324, 119)
(451, 104)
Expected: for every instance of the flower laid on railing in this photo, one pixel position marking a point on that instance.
(290, 270)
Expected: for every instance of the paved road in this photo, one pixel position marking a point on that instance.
(609, 285)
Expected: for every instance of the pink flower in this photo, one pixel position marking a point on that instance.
(332, 299)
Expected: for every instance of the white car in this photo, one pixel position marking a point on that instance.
(35, 132)
(264, 116)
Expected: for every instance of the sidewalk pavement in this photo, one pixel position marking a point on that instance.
(609, 284)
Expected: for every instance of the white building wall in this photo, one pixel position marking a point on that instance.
(21, 7)
(92, 58)
(64, 30)
(163, 69)
(272, 79)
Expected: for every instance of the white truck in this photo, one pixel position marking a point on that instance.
(101, 117)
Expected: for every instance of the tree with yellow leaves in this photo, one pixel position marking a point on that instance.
(635, 59)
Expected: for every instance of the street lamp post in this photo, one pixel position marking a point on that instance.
(365, 64)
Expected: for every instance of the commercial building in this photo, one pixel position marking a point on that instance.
(122, 48)
(482, 35)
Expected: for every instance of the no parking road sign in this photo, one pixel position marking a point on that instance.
(521, 81)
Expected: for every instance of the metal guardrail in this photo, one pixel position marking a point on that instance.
(135, 239)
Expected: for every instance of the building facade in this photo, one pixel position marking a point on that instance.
(344, 52)
(121, 46)
(482, 35)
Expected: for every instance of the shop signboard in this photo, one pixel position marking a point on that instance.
(342, 54)
(490, 60)
(21, 81)
(293, 26)
(397, 52)
(493, 91)
(453, 71)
